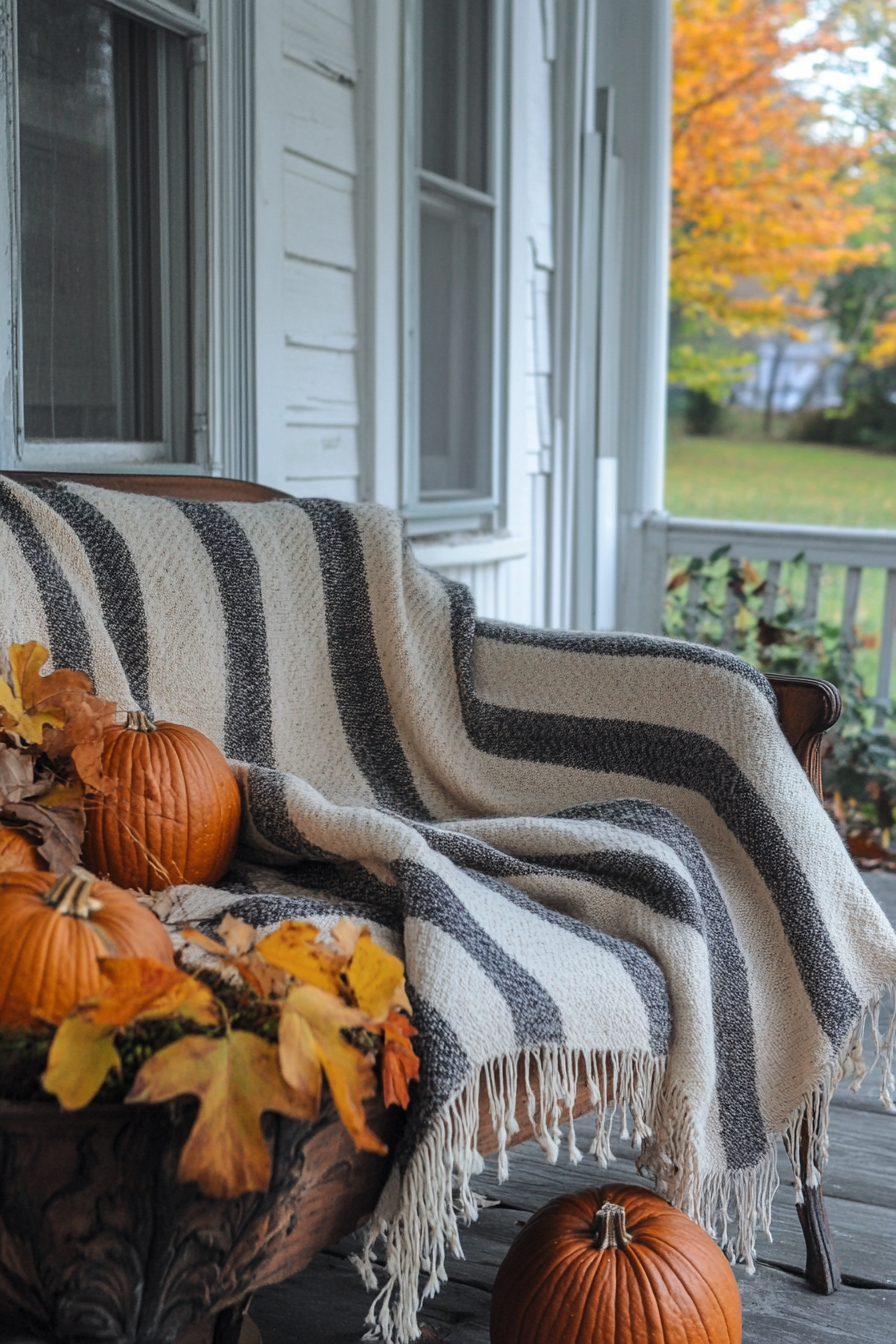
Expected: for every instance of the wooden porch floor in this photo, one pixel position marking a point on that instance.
(326, 1304)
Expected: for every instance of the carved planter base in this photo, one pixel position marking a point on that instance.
(100, 1244)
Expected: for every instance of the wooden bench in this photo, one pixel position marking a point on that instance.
(339, 1185)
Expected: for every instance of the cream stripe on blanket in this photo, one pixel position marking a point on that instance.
(593, 851)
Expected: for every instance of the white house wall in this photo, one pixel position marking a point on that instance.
(329, 266)
(306, 253)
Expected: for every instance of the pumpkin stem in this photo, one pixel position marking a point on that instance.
(70, 894)
(609, 1227)
(138, 722)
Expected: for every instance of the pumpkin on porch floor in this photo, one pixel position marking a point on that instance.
(615, 1263)
(173, 814)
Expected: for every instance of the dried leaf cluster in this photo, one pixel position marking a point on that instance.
(329, 1004)
(51, 744)
(338, 1000)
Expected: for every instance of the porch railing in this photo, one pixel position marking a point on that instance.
(858, 550)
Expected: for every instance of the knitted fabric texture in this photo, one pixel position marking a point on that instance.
(597, 854)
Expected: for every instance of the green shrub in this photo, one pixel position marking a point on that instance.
(719, 601)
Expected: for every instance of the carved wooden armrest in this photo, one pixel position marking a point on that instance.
(807, 708)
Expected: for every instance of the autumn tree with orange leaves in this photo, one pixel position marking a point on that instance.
(764, 183)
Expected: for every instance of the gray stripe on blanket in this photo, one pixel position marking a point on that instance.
(444, 1068)
(668, 756)
(268, 807)
(117, 584)
(642, 970)
(536, 1017)
(247, 718)
(624, 646)
(487, 865)
(70, 644)
(703, 908)
(361, 693)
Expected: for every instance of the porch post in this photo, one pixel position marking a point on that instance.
(634, 56)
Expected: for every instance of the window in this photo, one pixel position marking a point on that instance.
(453, 272)
(107, 165)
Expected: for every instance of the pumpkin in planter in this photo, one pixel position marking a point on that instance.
(173, 814)
(17, 853)
(616, 1263)
(53, 929)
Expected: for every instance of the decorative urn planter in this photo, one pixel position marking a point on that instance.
(101, 1244)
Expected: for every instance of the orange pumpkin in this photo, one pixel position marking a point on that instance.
(174, 813)
(17, 853)
(616, 1263)
(52, 929)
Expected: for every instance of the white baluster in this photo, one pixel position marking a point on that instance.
(813, 585)
(770, 596)
(885, 666)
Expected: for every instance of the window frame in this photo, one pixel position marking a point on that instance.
(474, 512)
(192, 455)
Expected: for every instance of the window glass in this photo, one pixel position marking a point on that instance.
(455, 347)
(101, 105)
(456, 251)
(455, 90)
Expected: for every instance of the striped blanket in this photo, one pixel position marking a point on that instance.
(597, 854)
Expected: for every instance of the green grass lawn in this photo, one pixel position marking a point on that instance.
(792, 483)
(780, 482)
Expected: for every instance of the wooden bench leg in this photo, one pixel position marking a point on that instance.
(229, 1324)
(822, 1260)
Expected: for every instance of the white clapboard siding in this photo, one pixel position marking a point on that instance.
(318, 117)
(343, 488)
(321, 452)
(319, 304)
(321, 387)
(320, 36)
(491, 586)
(318, 220)
(318, 308)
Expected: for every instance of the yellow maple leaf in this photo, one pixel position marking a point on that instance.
(376, 979)
(81, 1054)
(59, 712)
(27, 704)
(293, 947)
(349, 1073)
(344, 935)
(236, 1078)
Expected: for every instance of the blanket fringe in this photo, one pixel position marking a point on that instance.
(419, 1212)
(418, 1216)
(806, 1133)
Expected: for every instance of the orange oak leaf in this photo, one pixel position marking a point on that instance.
(400, 1065)
(349, 1072)
(141, 987)
(236, 1078)
(82, 1051)
(293, 947)
(376, 979)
